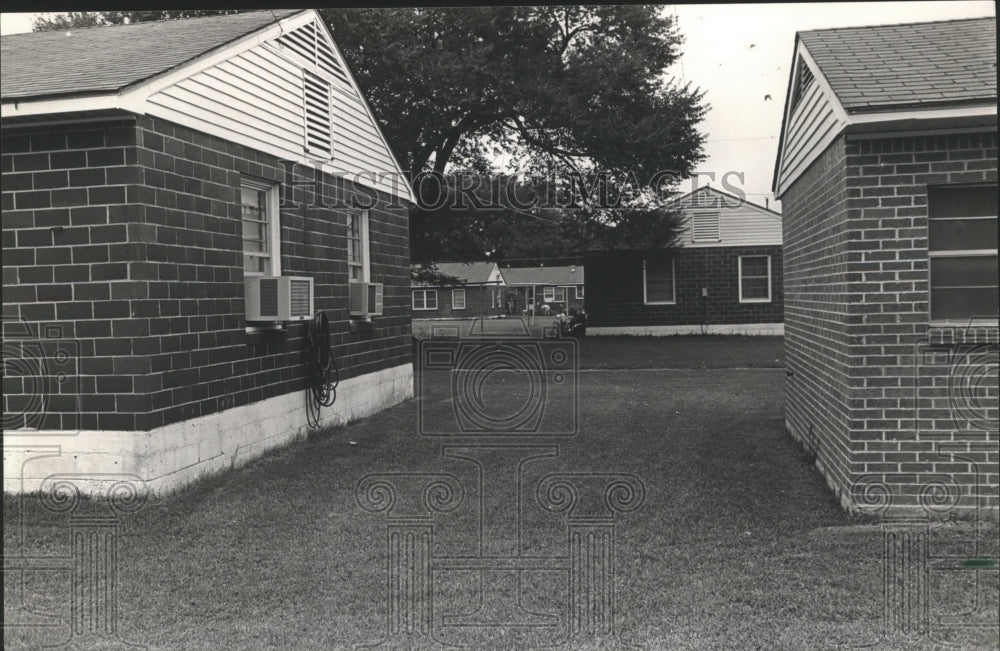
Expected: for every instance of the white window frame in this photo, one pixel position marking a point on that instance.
(365, 246)
(558, 290)
(273, 230)
(579, 292)
(455, 293)
(549, 294)
(673, 281)
(718, 226)
(769, 279)
(424, 294)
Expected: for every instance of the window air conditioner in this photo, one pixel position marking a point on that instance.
(279, 298)
(366, 299)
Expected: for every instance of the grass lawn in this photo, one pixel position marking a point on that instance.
(738, 544)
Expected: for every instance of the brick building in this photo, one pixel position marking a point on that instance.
(155, 176)
(723, 277)
(559, 286)
(887, 172)
(480, 291)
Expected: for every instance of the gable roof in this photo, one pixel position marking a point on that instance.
(880, 79)
(229, 76)
(107, 59)
(571, 275)
(720, 199)
(470, 273)
(886, 67)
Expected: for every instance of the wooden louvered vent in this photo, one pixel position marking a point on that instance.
(805, 80)
(319, 128)
(308, 43)
(705, 227)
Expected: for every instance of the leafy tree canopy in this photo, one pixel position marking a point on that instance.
(582, 85)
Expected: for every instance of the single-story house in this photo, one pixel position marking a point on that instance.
(480, 291)
(722, 277)
(559, 287)
(887, 173)
(179, 199)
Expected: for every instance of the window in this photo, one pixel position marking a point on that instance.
(755, 278)
(705, 226)
(261, 228)
(579, 292)
(425, 299)
(548, 294)
(962, 243)
(560, 294)
(358, 249)
(658, 282)
(458, 299)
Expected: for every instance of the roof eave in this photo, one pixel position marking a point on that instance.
(951, 117)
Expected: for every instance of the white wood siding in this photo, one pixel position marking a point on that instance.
(739, 225)
(812, 125)
(255, 98)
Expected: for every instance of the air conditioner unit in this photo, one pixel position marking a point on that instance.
(279, 298)
(366, 299)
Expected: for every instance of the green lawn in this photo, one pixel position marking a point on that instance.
(738, 543)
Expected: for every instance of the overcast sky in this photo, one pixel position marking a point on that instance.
(740, 54)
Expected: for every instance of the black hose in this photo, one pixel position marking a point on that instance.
(321, 368)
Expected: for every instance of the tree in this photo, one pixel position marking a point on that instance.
(576, 91)
(569, 82)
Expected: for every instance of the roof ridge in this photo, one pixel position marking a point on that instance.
(907, 24)
(158, 20)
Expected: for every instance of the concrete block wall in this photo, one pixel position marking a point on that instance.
(614, 289)
(122, 249)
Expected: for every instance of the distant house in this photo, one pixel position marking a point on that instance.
(179, 198)
(725, 275)
(560, 287)
(887, 172)
(479, 292)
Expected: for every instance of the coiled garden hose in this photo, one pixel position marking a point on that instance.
(321, 368)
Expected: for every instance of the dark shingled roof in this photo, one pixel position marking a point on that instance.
(572, 275)
(99, 60)
(882, 67)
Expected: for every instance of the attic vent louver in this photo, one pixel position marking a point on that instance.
(308, 43)
(319, 129)
(804, 81)
(705, 227)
